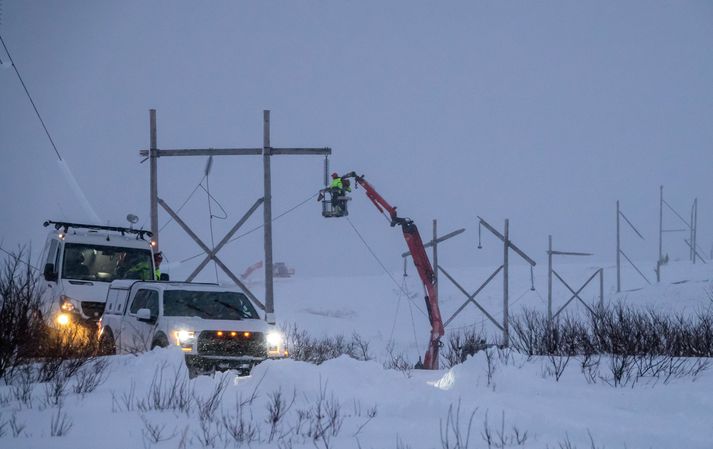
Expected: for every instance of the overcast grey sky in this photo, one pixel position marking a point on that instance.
(544, 112)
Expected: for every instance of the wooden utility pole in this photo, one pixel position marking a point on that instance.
(266, 151)
(435, 255)
(618, 250)
(549, 278)
(153, 163)
(267, 214)
(506, 284)
(660, 259)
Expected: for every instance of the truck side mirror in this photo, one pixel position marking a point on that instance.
(163, 277)
(49, 273)
(144, 315)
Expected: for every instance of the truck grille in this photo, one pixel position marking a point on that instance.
(222, 343)
(93, 309)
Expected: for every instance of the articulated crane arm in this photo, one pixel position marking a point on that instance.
(420, 260)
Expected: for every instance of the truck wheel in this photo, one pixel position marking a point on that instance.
(160, 341)
(107, 345)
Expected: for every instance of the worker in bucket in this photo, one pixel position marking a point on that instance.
(338, 187)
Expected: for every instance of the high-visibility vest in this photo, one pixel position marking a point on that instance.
(336, 183)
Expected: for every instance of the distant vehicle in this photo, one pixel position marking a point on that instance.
(281, 270)
(80, 261)
(218, 328)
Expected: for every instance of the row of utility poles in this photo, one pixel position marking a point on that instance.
(690, 227)
(267, 151)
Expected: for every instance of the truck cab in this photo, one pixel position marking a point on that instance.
(216, 327)
(79, 263)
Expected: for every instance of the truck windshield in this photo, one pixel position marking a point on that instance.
(105, 263)
(208, 305)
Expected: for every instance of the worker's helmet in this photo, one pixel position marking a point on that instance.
(335, 175)
(158, 257)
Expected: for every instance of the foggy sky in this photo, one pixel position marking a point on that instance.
(545, 113)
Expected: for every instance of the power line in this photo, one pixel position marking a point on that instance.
(30, 98)
(258, 227)
(200, 183)
(383, 267)
(15, 257)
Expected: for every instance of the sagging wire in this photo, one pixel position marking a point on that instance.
(32, 102)
(14, 256)
(208, 167)
(383, 267)
(310, 198)
(199, 185)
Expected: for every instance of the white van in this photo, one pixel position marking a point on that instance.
(80, 261)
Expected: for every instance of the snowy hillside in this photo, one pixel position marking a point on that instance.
(494, 399)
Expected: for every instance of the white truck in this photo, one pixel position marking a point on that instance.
(80, 261)
(217, 327)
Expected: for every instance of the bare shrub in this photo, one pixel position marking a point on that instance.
(305, 348)
(499, 437)
(154, 433)
(16, 427)
(398, 361)
(168, 391)
(20, 312)
(54, 393)
(208, 405)
(60, 424)
(453, 434)
(462, 344)
(90, 377)
(277, 407)
(556, 365)
(240, 425)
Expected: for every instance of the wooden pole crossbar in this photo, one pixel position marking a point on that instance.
(266, 151)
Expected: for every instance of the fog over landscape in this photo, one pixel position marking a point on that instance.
(542, 112)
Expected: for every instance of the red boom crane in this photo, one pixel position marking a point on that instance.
(420, 260)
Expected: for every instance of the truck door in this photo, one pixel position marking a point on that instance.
(137, 335)
(51, 267)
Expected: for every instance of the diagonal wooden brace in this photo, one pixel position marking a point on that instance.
(471, 298)
(574, 294)
(205, 248)
(211, 254)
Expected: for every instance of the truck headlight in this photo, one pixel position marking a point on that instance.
(184, 338)
(65, 303)
(274, 339)
(63, 319)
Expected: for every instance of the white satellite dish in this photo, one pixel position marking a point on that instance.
(133, 219)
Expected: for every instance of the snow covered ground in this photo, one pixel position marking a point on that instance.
(345, 403)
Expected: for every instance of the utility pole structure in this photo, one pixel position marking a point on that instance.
(267, 219)
(575, 293)
(660, 259)
(618, 249)
(435, 254)
(506, 284)
(153, 166)
(620, 252)
(266, 151)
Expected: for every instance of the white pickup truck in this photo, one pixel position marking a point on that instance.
(218, 328)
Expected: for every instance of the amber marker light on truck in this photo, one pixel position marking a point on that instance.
(63, 319)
